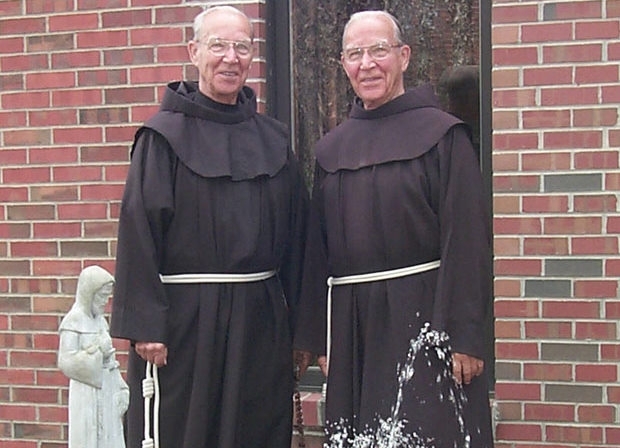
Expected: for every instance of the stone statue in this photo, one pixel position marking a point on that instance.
(98, 395)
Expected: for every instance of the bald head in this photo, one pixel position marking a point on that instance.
(382, 15)
(201, 25)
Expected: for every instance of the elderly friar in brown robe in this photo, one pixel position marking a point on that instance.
(397, 186)
(213, 191)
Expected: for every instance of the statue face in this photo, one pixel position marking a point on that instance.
(101, 299)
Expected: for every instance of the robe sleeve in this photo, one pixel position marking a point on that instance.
(79, 364)
(140, 305)
(311, 326)
(291, 269)
(464, 284)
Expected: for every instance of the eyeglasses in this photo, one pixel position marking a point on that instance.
(377, 51)
(219, 47)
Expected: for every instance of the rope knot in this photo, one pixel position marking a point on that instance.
(148, 388)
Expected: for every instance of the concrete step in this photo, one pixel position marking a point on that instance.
(312, 439)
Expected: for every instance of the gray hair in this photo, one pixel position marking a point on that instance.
(199, 19)
(398, 30)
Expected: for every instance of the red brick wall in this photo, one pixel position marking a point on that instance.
(77, 78)
(556, 183)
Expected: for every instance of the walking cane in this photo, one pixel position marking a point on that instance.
(150, 389)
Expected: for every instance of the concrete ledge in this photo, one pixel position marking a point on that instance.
(311, 439)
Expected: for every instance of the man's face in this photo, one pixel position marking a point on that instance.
(374, 61)
(219, 55)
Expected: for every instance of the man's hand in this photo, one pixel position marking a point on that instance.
(153, 352)
(301, 360)
(465, 367)
(323, 365)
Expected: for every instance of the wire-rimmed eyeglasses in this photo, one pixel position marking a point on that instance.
(377, 51)
(219, 47)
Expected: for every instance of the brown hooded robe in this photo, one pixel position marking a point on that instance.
(394, 187)
(212, 188)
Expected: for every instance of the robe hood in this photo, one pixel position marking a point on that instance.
(402, 129)
(80, 317)
(214, 139)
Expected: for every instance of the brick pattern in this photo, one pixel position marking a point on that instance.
(556, 164)
(77, 78)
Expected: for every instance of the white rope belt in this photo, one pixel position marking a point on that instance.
(369, 277)
(150, 383)
(217, 278)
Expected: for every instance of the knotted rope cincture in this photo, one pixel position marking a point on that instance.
(150, 389)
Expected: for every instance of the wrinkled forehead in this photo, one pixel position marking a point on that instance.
(227, 24)
(367, 29)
